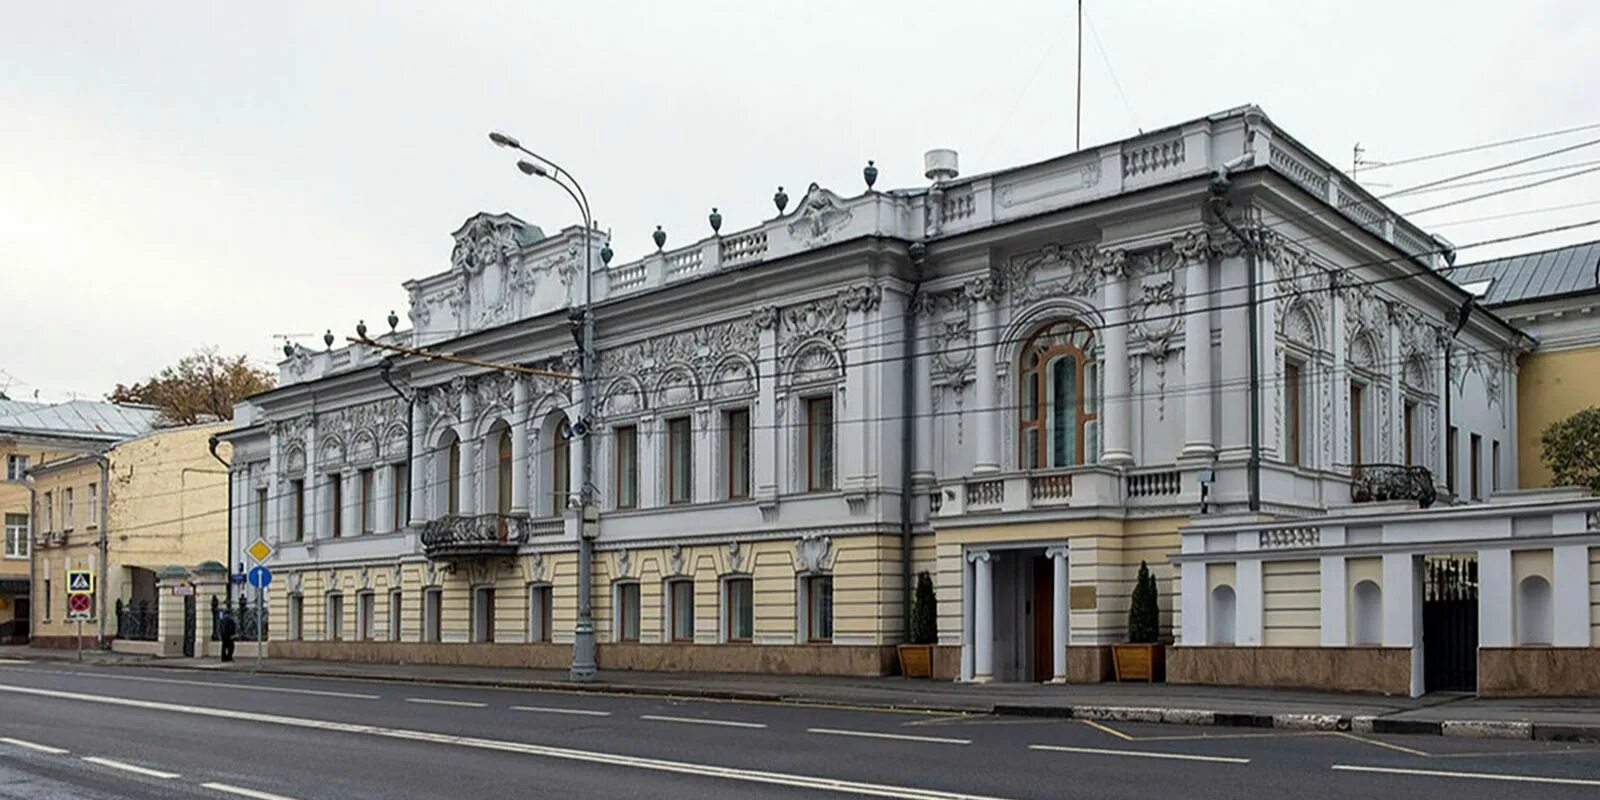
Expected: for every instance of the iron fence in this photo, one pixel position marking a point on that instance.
(139, 621)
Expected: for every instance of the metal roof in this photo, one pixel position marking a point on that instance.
(87, 419)
(1534, 276)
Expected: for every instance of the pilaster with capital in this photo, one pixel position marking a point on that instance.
(764, 420)
(417, 477)
(864, 341)
(983, 291)
(922, 390)
(1116, 447)
(1194, 252)
(467, 467)
(519, 446)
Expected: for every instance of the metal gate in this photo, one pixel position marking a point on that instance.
(188, 625)
(1450, 623)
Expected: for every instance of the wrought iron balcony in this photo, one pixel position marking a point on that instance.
(453, 537)
(1377, 483)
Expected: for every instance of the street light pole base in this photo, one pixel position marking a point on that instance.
(583, 667)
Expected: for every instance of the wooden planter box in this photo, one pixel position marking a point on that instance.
(1139, 662)
(916, 660)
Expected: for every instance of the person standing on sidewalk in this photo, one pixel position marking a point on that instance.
(227, 628)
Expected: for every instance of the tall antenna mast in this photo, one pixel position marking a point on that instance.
(1077, 143)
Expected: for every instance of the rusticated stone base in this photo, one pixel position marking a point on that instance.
(769, 659)
(946, 662)
(63, 642)
(1383, 670)
(1089, 664)
(1539, 672)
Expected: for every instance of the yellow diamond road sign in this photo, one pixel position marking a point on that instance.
(260, 550)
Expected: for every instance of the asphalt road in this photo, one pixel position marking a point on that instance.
(69, 731)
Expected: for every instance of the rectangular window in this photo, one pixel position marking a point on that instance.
(680, 461)
(16, 536)
(1291, 413)
(540, 621)
(366, 604)
(369, 500)
(261, 512)
(819, 444)
(396, 607)
(739, 609)
(453, 481)
(432, 614)
(401, 485)
(15, 467)
(737, 424)
(627, 612)
(561, 469)
(297, 616)
(1475, 468)
(92, 513)
(49, 505)
(335, 621)
(297, 503)
(819, 608)
(1356, 406)
(336, 505)
(1494, 466)
(1408, 435)
(483, 614)
(1450, 448)
(48, 594)
(69, 514)
(627, 466)
(681, 597)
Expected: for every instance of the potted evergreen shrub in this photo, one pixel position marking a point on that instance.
(916, 655)
(1143, 657)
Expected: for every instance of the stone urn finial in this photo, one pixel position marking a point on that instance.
(660, 236)
(780, 199)
(716, 220)
(870, 173)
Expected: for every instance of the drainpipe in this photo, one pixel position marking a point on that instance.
(105, 525)
(1218, 203)
(908, 439)
(227, 559)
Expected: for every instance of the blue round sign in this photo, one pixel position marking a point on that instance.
(259, 577)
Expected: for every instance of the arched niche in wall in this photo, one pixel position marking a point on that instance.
(1366, 614)
(1533, 611)
(1220, 616)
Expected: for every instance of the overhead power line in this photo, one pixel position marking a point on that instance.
(1369, 166)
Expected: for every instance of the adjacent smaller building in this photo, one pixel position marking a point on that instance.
(124, 512)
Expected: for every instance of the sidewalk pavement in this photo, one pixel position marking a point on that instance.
(1574, 719)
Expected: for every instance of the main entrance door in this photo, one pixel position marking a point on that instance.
(1043, 619)
(1450, 623)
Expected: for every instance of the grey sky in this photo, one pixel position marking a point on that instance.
(175, 175)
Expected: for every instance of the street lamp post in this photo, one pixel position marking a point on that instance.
(583, 661)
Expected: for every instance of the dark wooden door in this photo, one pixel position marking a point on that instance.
(1043, 624)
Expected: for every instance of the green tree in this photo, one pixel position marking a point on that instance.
(1144, 613)
(1571, 449)
(924, 612)
(202, 386)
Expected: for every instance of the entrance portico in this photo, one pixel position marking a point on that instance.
(1015, 613)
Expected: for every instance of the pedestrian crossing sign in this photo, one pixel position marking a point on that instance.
(260, 550)
(80, 581)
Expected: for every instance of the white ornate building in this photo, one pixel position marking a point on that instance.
(1017, 382)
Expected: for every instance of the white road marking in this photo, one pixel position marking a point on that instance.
(581, 712)
(1482, 776)
(243, 792)
(1098, 751)
(15, 661)
(697, 721)
(126, 767)
(436, 702)
(43, 748)
(896, 736)
(220, 685)
(505, 746)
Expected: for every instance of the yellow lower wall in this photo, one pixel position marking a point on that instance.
(1291, 603)
(1551, 386)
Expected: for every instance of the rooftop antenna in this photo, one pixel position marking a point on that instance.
(1077, 141)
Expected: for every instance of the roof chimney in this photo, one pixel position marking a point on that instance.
(939, 165)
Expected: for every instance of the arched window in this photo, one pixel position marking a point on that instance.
(1366, 616)
(454, 467)
(1221, 614)
(505, 472)
(561, 467)
(1059, 385)
(1533, 611)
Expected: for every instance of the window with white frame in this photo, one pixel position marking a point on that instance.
(627, 614)
(366, 605)
(297, 508)
(16, 536)
(680, 461)
(680, 610)
(297, 616)
(1293, 423)
(626, 441)
(483, 614)
(49, 507)
(817, 602)
(736, 451)
(541, 624)
(738, 609)
(69, 511)
(396, 609)
(335, 504)
(1358, 412)
(16, 466)
(400, 503)
(93, 511)
(819, 443)
(334, 624)
(369, 500)
(261, 512)
(1059, 419)
(432, 614)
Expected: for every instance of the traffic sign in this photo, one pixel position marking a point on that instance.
(237, 577)
(80, 580)
(260, 550)
(80, 606)
(260, 576)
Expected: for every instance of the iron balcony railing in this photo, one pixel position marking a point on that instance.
(1377, 483)
(456, 536)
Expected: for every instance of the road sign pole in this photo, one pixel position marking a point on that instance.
(80, 640)
(261, 612)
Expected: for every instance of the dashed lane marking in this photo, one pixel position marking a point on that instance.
(727, 723)
(895, 736)
(241, 791)
(134, 768)
(1098, 751)
(579, 712)
(701, 770)
(43, 748)
(14, 661)
(432, 701)
(1481, 776)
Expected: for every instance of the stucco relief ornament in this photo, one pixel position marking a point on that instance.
(811, 554)
(675, 559)
(1110, 264)
(822, 318)
(863, 297)
(364, 577)
(982, 289)
(764, 318)
(953, 352)
(821, 216)
(1052, 270)
(536, 567)
(396, 576)
(419, 313)
(624, 563)
(1192, 246)
(735, 557)
(296, 581)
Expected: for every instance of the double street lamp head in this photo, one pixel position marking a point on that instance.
(503, 140)
(530, 168)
